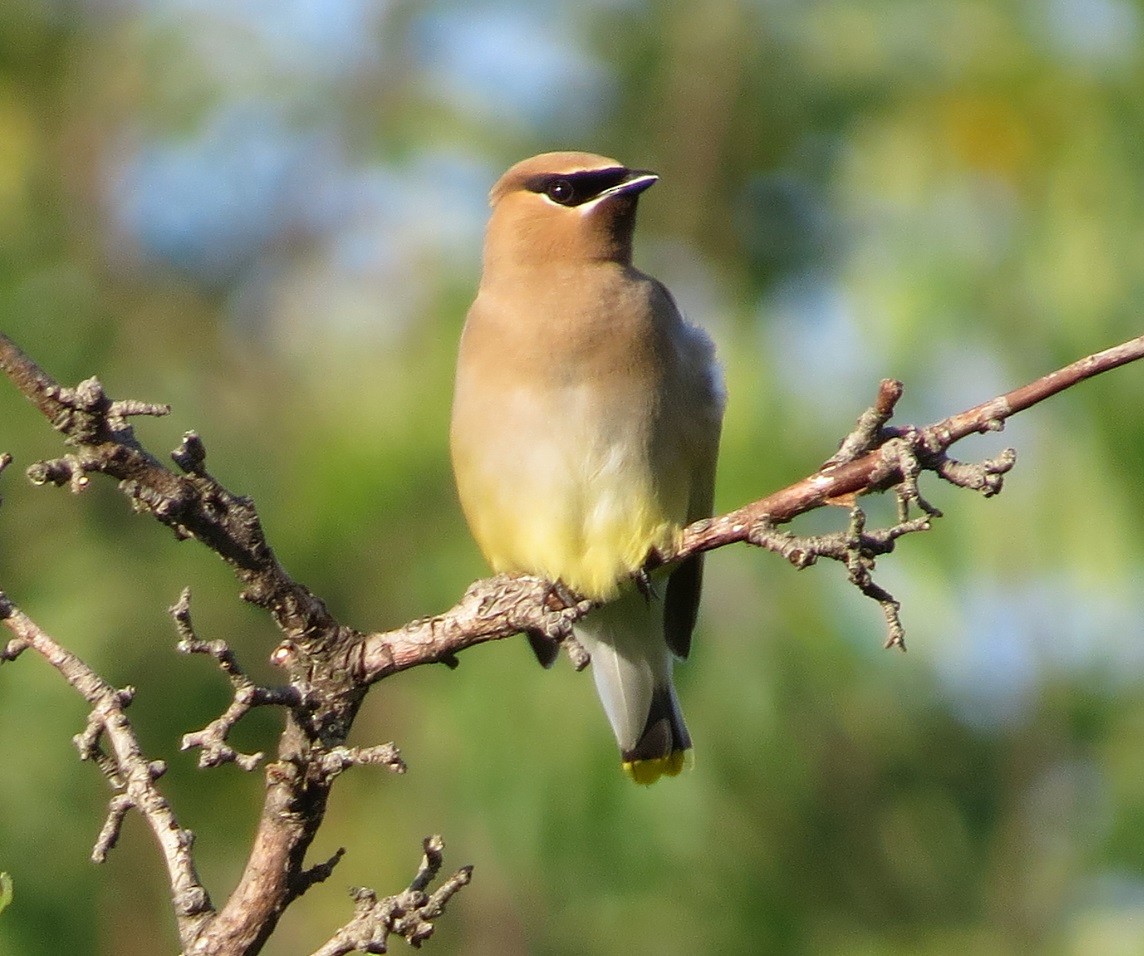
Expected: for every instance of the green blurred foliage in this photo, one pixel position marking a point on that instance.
(947, 192)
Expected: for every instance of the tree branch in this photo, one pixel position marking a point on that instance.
(875, 470)
(500, 607)
(131, 775)
(409, 914)
(332, 665)
(247, 695)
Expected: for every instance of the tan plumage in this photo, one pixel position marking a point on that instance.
(585, 429)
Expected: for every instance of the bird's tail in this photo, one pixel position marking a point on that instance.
(632, 667)
(665, 744)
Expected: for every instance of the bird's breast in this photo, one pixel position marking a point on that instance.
(556, 479)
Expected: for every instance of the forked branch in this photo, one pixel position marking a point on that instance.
(132, 777)
(332, 665)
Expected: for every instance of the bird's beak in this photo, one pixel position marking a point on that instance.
(633, 184)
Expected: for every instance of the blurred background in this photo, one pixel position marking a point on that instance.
(269, 214)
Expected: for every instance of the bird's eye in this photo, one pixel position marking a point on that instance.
(560, 191)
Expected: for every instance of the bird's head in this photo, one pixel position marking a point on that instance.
(569, 207)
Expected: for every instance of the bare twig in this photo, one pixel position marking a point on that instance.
(319, 872)
(334, 762)
(192, 505)
(410, 914)
(867, 433)
(871, 472)
(212, 739)
(131, 775)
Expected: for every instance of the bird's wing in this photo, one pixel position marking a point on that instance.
(700, 435)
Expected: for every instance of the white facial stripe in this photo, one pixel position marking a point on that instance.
(628, 185)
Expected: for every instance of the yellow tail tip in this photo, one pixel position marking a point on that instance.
(647, 772)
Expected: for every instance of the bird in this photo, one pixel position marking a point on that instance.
(584, 433)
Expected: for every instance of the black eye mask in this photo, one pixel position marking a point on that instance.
(574, 189)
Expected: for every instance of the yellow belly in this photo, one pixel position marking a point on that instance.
(580, 502)
(591, 535)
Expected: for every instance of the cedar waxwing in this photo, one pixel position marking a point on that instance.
(585, 429)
